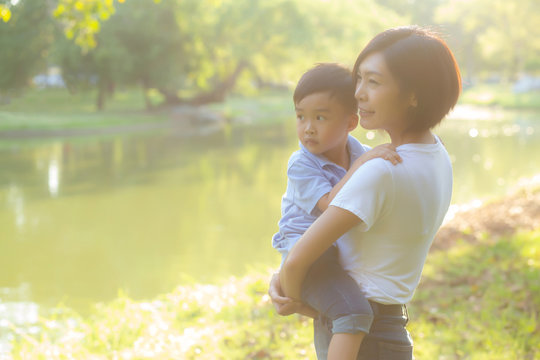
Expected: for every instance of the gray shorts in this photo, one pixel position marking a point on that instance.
(336, 296)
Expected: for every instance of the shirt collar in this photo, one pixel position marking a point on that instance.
(354, 146)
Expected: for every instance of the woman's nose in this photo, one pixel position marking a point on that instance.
(359, 93)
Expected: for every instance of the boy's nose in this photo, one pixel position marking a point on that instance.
(309, 129)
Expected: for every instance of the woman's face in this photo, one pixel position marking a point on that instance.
(381, 103)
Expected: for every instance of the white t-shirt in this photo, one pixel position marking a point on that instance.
(401, 207)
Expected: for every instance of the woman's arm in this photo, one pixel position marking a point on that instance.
(329, 227)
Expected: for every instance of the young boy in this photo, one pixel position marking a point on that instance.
(326, 111)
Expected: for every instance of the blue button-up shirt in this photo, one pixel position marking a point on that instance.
(309, 177)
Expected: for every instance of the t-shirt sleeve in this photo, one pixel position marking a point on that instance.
(368, 193)
(306, 184)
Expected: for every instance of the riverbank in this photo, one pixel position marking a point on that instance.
(479, 299)
(56, 113)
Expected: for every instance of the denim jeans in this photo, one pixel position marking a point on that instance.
(336, 295)
(388, 339)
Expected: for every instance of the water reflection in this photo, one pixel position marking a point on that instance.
(86, 217)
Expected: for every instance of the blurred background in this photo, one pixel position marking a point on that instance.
(143, 143)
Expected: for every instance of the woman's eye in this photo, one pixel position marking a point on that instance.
(374, 82)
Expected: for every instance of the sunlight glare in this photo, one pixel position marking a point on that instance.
(473, 132)
(54, 177)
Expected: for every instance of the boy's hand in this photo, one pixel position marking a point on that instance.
(383, 151)
(284, 305)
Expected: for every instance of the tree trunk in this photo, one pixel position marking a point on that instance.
(215, 95)
(147, 102)
(100, 101)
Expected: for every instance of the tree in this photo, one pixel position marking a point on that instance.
(24, 41)
(196, 51)
(507, 37)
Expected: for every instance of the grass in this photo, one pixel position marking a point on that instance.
(57, 109)
(476, 301)
(480, 301)
(500, 95)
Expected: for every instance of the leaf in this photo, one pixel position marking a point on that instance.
(5, 13)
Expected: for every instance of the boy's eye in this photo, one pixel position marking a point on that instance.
(320, 117)
(299, 117)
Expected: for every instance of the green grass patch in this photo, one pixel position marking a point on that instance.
(480, 301)
(476, 301)
(58, 109)
(49, 109)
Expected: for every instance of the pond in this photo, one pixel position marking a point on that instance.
(83, 218)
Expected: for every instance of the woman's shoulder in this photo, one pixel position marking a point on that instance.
(375, 171)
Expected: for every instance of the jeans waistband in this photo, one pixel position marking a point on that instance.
(389, 310)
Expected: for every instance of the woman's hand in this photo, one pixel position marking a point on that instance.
(383, 151)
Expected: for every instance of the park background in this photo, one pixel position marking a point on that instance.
(143, 147)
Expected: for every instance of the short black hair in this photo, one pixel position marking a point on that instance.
(333, 78)
(423, 65)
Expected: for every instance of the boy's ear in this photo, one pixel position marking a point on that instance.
(353, 122)
(413, 101)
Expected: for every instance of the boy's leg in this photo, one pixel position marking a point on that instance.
(345, 346)
(332, 292)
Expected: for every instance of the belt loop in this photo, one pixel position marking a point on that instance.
(406, 313)
(374, 307)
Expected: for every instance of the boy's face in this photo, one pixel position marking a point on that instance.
(323, 124)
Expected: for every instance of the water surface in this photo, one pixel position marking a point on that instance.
(84, 217)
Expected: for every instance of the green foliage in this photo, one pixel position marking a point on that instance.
(5, 13)
(504, 39)
(82, 19)
(24, 41)
(184, 47)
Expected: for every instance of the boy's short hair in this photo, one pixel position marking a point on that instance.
(423, 65)
(333, 78)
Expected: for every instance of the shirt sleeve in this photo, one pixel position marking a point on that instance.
(369, 193)
(307, 184)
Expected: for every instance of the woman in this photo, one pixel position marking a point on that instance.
(407, 80)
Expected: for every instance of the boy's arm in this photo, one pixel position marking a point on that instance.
(384, 151)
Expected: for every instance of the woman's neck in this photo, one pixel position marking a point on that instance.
(414, 137)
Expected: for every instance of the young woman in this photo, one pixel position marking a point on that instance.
(407, 80)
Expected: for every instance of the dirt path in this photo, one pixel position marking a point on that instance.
(515, 212)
